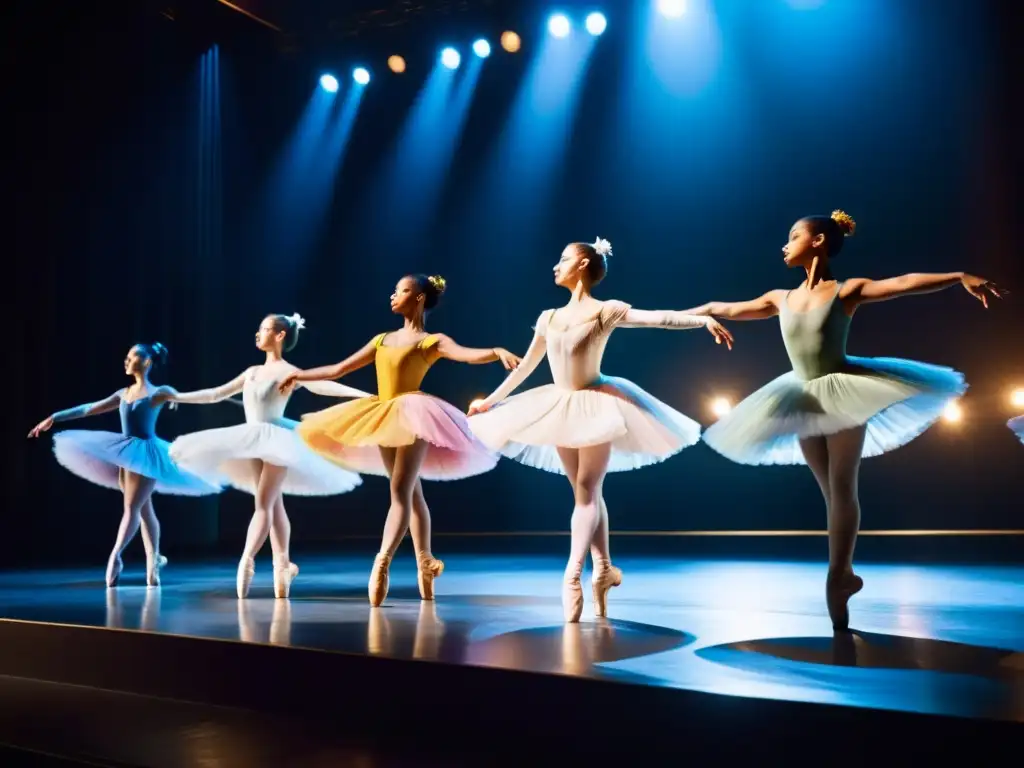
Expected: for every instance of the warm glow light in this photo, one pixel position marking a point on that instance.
(953, 413)
(396, 64)
(720, 406)
(1017, 398)
(510, 41)
(476, 402)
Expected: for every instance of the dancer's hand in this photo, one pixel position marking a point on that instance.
(979, 288)
(478, 406)
(42, 426)
(720, 332)
(510, 361)
(288, 382)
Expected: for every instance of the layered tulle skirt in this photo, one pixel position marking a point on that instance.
(531, 426)
(353, 433)
(235, 452)
(1017, 425)
(896, 399)
(99, 458)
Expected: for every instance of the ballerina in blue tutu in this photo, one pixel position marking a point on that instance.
(833, 409)
(136, 461)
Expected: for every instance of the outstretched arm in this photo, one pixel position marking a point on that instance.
(449, 350)
(671, 320)
(202, 396)
(333, 389)
(360, 359)
(761, 308)
(529, 363)
(78, 412)
(864, 291)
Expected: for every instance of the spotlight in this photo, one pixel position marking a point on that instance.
(559, 25)
(450, 58)
(1017, 398)
(720, 406)
(329, 83)
(953, 413)
(510, 41)
(361, 75)
(482, 48)
(596, 23)
(671, 8)
(396, 64)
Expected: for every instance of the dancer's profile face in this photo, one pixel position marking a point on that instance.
(268, 337)
(571, 267)
(802, 246)
(407, 297)
(135, 361)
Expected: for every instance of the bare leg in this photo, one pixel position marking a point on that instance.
(137, 490)
(268, 489)
(404, 473)
(428, 567)
(151, 541)
(844, 452)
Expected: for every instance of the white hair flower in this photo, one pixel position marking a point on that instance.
(298, 321)
(602, 247)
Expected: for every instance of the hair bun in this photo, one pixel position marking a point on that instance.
(845, 222)
(438, 283)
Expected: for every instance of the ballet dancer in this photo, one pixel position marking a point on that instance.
(833, 409)
(402, 432)
(136, 462)
(1017, 425)
(263, 456)
(586, 424)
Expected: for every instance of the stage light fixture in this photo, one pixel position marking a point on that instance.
(673, 9)
(329, 83)
(396, 64)
(1017, 398)
(720, 406)
(510, 41)
(482, 48)
(451, 58)
(361, 75)
(558, 25)
(596, 23)
(953, 413)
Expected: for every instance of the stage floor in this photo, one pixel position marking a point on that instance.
(934, 640)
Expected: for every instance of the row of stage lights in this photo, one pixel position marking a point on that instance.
(559, 26)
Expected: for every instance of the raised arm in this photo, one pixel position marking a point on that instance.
(202, 396)
(761, 308)
(529, 363)
(333, 389)
(105, 405)
(861, 290)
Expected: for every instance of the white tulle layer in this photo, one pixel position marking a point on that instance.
(896, 399)
(531, 426)
(99, 458)
(232, 453)
(1017, 425)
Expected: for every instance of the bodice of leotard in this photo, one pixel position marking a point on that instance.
(816, 339)
(575, 352)
(401, 369)
(138, 417)
(262, 399)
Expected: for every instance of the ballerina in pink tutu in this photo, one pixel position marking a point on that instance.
(586, 424)
(402, 432)
(263, 456)
(136, 461)
(1017, 426)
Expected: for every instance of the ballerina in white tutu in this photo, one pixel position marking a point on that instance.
(586, 423)
(1017, 426)
(136, 461)
(264, 456)
(833, 409)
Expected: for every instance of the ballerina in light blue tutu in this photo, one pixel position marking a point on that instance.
(134, 461)
(833, 409)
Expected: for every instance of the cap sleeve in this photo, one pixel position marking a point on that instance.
(613, 312)
(541, 326)
(429, 348)
(378, 339)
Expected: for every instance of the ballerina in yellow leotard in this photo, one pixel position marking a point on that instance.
(402, 432)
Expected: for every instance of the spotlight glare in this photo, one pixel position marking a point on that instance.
(720, 406)
(450, 58)
(673, 9)
(596, 23)
(1017, 398)
(396, 64)
(482, 48)
(510, 41)
(559, 25)
(953, 413)
(361, 75)
(329, 83)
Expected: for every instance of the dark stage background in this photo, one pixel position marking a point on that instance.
(133, 222)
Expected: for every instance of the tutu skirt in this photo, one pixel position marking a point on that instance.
(353, 433)
(896, 399)
(99, 458)
(531, 426)
(231, 452)
(1017, 425)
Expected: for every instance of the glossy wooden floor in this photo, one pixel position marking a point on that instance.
(928, 639)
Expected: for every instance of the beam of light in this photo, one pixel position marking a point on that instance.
(953, 413)
(1017, 398)
(329, 83)
(250, 15)
(451, 58)
(596, 23)
(361, 75)
(396, 64)
(482, 48)
(559, 26)
(672, 9)
(720, 406)
(510, 41)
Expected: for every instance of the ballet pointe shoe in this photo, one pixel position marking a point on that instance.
(114, 567)
(379, 582)
(429, 568)
(605, 577)
(839, 589)
(246, 573)
(153, 570)
(284, 575)
(572, 595)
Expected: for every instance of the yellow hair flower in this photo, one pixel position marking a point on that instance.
(438, 282)
(845, 222)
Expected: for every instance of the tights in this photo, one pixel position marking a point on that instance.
(269, 518)
(138, 512)
(408, 510)
(586, 468)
